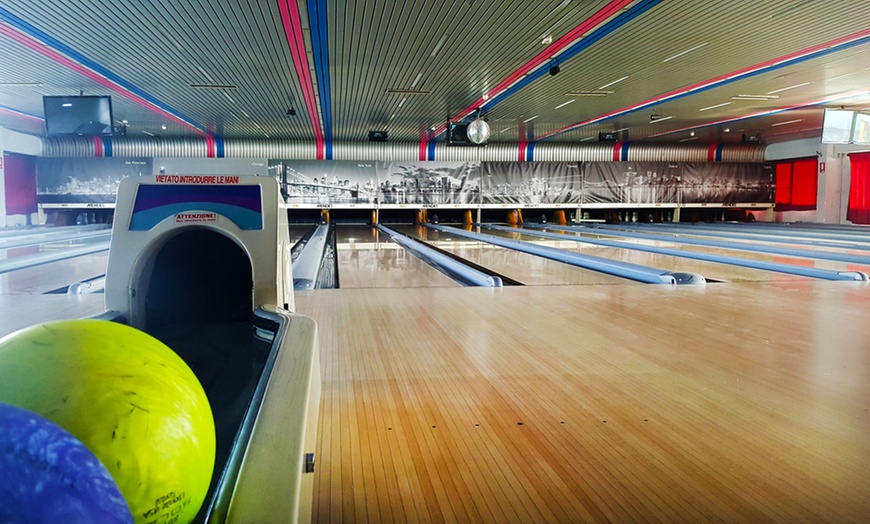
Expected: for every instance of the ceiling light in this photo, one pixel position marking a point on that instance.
(789, 87)
(147, 133)
(786, 122)
(726, 130)
(227, 95)
(563, 104)
(213, 86)
(656, 118)
(547, 40)
(530, 119)
(621, 129)
(403, 102)
(685, 52)
(407, 92)
(589, 93)
(438, 45)
(485, 96)
(249, 116)
(754, 97)
(163, 127)
(692, 133)
(614, 82)
(688, 139)
(419, 76)
(714, 107)
(587, 138)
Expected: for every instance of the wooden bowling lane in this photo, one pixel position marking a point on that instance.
(711, 270)
(369, 259)
(20, 311)
(751, 255)
(528, 269)
(54, 275)
(747, 402)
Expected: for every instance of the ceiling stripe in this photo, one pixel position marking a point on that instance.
(318, 22)
(29, 36)
(809, 53)
(768, 112)
(539, 59)
(575, 49)
(537, 66)
(293, 31)
(17, 113)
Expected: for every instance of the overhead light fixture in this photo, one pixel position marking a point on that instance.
(530, 119)
(147, 133)
(692, 133)
(787, 122)
(407, 91)
(547, 40)
(714, 107)
(605, 86)
(478, 130)
(416, 80)
(554, 69)
(563, 104)
(688, 139)
(163, 127)
(789, 87)
(587, 139)
(687, 51)
(654, 118)
(438, 45)
(588, 93)
(213, 86)
(403, 102)
(755, 97)
(726, 130)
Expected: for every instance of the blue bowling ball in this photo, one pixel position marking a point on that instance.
(47, 475)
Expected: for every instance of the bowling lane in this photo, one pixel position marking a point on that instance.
(529, 269)
(297, 231)
(53, 275)
(711, 270)
(48, 277)
(369, 259)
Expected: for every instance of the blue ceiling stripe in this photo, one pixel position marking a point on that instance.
(726, 81)
(583, 44)
(624, 156)
(530, 152)
(431, 150)
(219, 146)
(107, 147)
(57, 45)
(318, 21)
(718, 156)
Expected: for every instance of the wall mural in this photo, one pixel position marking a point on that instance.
(341, 183)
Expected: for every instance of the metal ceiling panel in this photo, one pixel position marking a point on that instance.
(441, 56)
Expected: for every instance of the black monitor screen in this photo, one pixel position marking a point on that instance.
(78, 115)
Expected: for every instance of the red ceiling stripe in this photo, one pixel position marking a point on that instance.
(521, 154)
(210, 147)
(712, 81)
(46, 51)
(98, 146)
(711, 153)
(293, 31)
(617, 147)
(544, 56)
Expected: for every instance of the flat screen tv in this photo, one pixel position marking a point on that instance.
(78, 115)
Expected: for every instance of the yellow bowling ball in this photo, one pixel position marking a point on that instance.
(129, 398)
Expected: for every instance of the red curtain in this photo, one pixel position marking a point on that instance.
(859, 189)
(20, 179)
(797, 184)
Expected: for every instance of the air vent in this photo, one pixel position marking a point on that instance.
(213, 86)
(408, 92)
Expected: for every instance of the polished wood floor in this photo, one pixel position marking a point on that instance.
(742, 402)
